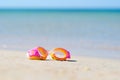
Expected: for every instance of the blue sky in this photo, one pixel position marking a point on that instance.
(60, 4)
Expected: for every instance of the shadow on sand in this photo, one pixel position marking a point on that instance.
(72, 60)
(58, 60)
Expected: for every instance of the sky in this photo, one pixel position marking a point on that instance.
(109, 4)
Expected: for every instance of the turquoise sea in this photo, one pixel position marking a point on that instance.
(83, 32)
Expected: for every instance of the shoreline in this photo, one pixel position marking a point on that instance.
(15, 65)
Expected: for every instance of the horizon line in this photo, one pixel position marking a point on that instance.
(68, 8)
(59, 9)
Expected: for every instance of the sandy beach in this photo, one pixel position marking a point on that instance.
(15, 66)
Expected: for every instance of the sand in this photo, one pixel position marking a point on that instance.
(15, 66)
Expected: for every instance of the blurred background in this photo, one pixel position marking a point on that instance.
(86, 28)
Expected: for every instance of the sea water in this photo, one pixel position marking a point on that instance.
(82, 32)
